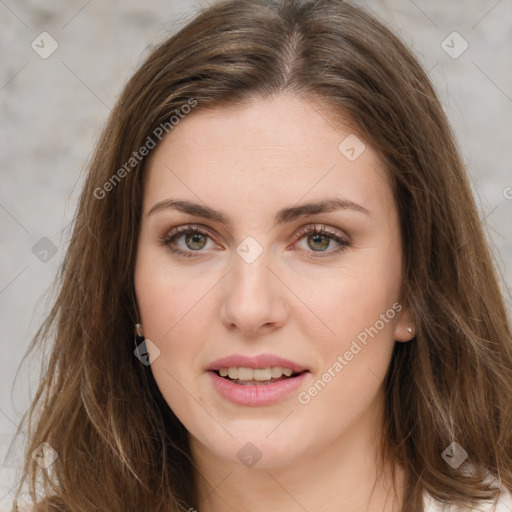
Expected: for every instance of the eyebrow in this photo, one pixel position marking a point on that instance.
(284, 215)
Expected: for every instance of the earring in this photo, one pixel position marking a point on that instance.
(139, 336)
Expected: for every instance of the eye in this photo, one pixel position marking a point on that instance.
(319, 238)
(194, 239)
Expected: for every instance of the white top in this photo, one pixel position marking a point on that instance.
(502, 504)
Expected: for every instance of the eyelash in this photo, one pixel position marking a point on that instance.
(307, 230)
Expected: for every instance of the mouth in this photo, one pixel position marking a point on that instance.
(260, 380)
(258, 384)
(244, 376)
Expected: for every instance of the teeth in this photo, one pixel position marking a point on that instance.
(276, 372)
(260, 374)
(245, 373)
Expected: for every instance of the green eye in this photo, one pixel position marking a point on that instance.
(193, 241)
(320, 240)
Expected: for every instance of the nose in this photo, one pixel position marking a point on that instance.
(255, 300)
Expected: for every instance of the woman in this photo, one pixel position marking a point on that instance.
(278, 211)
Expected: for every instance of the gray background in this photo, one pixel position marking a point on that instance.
(52, 110)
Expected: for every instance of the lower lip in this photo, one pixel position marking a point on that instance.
(258, 394)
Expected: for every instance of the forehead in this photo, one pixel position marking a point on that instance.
(277, 149)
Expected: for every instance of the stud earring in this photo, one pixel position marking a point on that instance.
(139, 336)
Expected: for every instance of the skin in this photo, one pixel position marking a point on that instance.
(300, 299)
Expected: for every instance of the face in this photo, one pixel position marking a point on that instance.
(236, 275)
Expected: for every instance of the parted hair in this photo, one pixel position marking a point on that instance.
(119, 445)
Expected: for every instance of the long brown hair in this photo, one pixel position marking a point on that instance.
(119, 445)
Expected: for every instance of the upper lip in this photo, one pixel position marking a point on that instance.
(255, 362)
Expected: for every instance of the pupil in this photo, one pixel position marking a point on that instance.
(315, 238)
(194, 238)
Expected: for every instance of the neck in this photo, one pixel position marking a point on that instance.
(346, 475)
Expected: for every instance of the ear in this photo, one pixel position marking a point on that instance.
(405, 326)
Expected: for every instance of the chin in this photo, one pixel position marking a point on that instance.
(259, 449)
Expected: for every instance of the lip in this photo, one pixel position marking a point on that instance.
(255, 362)
(258, 394)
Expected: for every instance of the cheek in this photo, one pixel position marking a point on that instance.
(167, 297)
(347, 302)
(174, 314)
(177, 314)
(355, 356)
(357, 310)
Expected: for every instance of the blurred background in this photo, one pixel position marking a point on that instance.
(63, 64)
